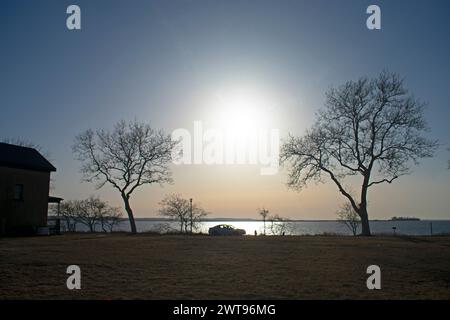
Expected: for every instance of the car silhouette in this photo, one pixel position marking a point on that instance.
(225, 230)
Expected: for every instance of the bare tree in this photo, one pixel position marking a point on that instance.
(69, 212)
(89, 211)
(109, 218)
(369, 128)
(176, 207)
(130, 156)
(280, 226)
(264, 213)
(349, 217)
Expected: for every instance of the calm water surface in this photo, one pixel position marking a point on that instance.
(423, 227)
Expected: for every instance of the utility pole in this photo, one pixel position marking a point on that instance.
(190, 201)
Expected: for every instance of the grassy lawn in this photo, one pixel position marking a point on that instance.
(122, 266)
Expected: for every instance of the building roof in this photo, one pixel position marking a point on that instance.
(14, 156)
(52, 199)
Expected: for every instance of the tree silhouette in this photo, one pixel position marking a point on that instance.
(176, 207)
(130, 156)
(280, 226)
(369, 128)
(349, 217)
(89, 212)
(264, 213)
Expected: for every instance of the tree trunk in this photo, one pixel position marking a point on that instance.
(126, 200)
(365, 227)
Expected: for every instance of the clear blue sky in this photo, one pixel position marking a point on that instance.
(159, 61)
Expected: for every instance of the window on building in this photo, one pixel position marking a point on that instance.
(18, 192)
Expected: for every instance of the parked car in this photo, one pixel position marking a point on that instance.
(225, 230)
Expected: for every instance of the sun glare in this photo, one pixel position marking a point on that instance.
(242, 111)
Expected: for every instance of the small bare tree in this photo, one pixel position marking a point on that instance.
(264, 213)
(130, 156)
(369, 128)
(280, 226)
(89, 211)
(176, 207)
(349, 217)
(68, 211)
(109, 218)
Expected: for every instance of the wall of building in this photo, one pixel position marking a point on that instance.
(32, 210)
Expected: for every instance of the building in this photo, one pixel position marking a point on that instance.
(24, 189)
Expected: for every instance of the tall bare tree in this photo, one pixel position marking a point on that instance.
(176, 207)
(128, 157)
(369, 128)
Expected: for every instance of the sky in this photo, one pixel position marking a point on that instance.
(170, 63)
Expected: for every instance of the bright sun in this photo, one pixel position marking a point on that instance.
(242, 111)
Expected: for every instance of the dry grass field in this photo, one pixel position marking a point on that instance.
(122, 266)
